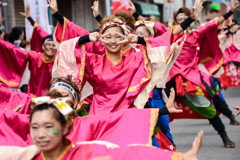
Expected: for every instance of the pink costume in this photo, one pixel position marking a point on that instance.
(102, 150)
(40, 70)
(160, 28)
(231, 48)
(11, 99)
(96, 127)
(37, 37)
(40, 74)
(13, 63)
(186, 64)
(115, 86)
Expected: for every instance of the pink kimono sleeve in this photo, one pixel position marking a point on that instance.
(210, 53)
(13, 63)
(68, 31)
(160, 28)
(37, 37)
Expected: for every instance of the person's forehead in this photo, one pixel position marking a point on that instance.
(43, 116)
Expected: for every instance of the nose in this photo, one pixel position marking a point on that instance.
(41, 133)
(113, 40)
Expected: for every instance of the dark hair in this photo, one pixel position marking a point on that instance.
(23, 44)
(49, 36)
(69, 80)
(184, 10)
(129, 19)
(59, 116)
(16, 32)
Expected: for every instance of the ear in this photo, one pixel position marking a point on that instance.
(43, 48)
(67, 128)
(75, 103)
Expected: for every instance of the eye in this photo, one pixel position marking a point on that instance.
(34, 127)
(49, 126)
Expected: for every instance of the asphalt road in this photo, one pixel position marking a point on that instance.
(185, 130)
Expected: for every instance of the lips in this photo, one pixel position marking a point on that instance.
(113, 46)
(43, 143)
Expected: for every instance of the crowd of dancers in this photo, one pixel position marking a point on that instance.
(111, 94)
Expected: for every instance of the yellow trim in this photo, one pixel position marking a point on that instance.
(113, 62)
(82, 68)
(144, 79)
(217, 66)
(207, 59)
(177, 156)
(47, 61)
(64, 28)
(9, 83)
(147, 43)
(125, 50)
(62, 154)
(153, 119)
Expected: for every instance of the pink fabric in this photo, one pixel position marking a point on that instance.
(37, 37)
(231, 54)
(13, 63)
(131, 126)
(160, 28)
(14, 129)
(92, 151)
(41, 74)
(11, 99)
(189, 58)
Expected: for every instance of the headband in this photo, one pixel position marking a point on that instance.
(48, 40)
(181, 15)
(62, 84)
(148, 24)
(59, 103)
(119, 23)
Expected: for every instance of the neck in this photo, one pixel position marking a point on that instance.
(115, 57)
(125, 47)
(47, 58)
(53, 155)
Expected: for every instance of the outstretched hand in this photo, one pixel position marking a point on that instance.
(53, 5)
(192, 153)
(131, 7)
(238, 109)
(26, 14)
(94, 37)
(95, 8)
(170, 103)
(197, 9)
(234, 5)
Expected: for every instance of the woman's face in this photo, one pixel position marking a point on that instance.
(46, 132)
(142, 31)
(112, 37)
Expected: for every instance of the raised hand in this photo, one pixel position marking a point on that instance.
(94, 37)
(234, 5)
(131, 7)
(197, 9)
(124, 40)
(133, 38)
(95, 8)
(37, 20)
(27, 12)
(192, 153)
(237, 108)
(101, 38)
(53, 5)
(170, 103)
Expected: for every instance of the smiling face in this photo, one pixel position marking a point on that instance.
(112, 37)
(46, 131)
(49, 49)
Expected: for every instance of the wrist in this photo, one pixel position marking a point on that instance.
(54, 11)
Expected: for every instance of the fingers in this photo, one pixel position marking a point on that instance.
(124, 41)
(23, 14)
(198, 142)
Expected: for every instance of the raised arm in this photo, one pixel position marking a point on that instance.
(197, 9)
(1, 23)
(95, 9)
(234, 5)
(26, 14)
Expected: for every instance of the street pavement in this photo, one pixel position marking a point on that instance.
(185, 130)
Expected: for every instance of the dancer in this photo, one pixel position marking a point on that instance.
(1, 23)
(185, 75)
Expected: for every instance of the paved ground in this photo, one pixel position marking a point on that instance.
(184, 131)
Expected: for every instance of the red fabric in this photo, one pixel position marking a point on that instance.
(164, 142)
(160, 28)
(37, 37)
(231, 76)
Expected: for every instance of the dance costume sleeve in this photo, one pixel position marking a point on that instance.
(13, 63)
